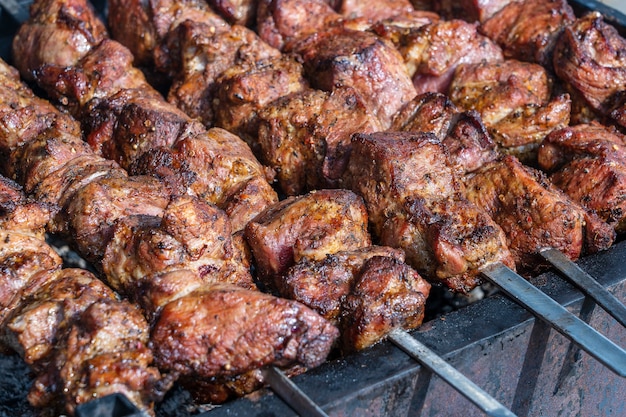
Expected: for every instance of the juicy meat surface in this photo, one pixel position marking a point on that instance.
(388, 294)
(229, 331)
(514, 101)
(58, 33)
(590, 58)
(323, 284)
(414, 199)
(432, 52)
(588, 162)
(310, 226)
(373, 10)
(305, 137)
(339, 57)
(242, 91)
(281, 22)
(527, 30)
(533, 213)
(470, 10)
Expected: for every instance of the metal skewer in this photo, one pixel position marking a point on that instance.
(586, 284)
(448, 373)
(291, 394)
(544, 307)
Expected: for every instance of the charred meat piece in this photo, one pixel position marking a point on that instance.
(104, 352)
(588, 162)
(37, 325)
(244, 90)
(18, 213)
(463, 134)
(590, 58)
(280, 22)
(414, 199)
(388, 294)
(322, 284)
(373, 10)
(205, 56)
(367, 292)
(310, 226)
(228, 331)
(305, 137)
(240, 12)
(218, 167)
(527, 30)
(339, 57)
(432, 52)
(533, 213)
(192, 235)
(149, 29)
(95, 208)
(514, 101)
(58, 33)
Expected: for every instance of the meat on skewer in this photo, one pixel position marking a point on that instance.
(316, 249)
(80, 340)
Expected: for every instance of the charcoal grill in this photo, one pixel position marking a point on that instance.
(501, 346)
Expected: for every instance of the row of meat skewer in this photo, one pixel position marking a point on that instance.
(173, 208)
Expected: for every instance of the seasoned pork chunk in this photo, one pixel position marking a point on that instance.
(432, 52)
(339, 57)
(373, 10)
(228, 331)
(515, 102)
(470, 10)
(306, 227)
(415, 202)
(588, 162)
(533, 213)
(527, 30)
(305, 137)
(589, 58)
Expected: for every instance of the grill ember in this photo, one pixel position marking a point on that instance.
(409, 146)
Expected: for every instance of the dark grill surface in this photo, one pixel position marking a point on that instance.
(524, 364)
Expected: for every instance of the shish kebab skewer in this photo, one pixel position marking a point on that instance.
(468, 395)
(74, 147)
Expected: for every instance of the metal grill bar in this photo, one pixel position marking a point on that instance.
(291, 394)
(586, 284)
(544, 307)
(448, 373)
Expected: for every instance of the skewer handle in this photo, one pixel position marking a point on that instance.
(570, 326)
(586, 284)
(291, 394)
(448, 373)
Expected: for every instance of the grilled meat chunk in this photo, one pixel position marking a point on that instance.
(240, 12)
(514, 101)
(218, 167)
(373, 10)
(228, 331)
(191, 235)
(414, 199)
(322, 284)
(470, 10)
(21, 214)
(463, 134)
(533, 213)
(527, 30)
(205, 56)
(244, 90)
(367, 292)
(590, 58)
(58, 33)
(104, 352)
(588, 162)
(432, 52)
(305, 137)
(388, 294)
(95, 208)
(310, 226)
(339, 57)
(149, 29)
(37, 325)
(281, 22)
